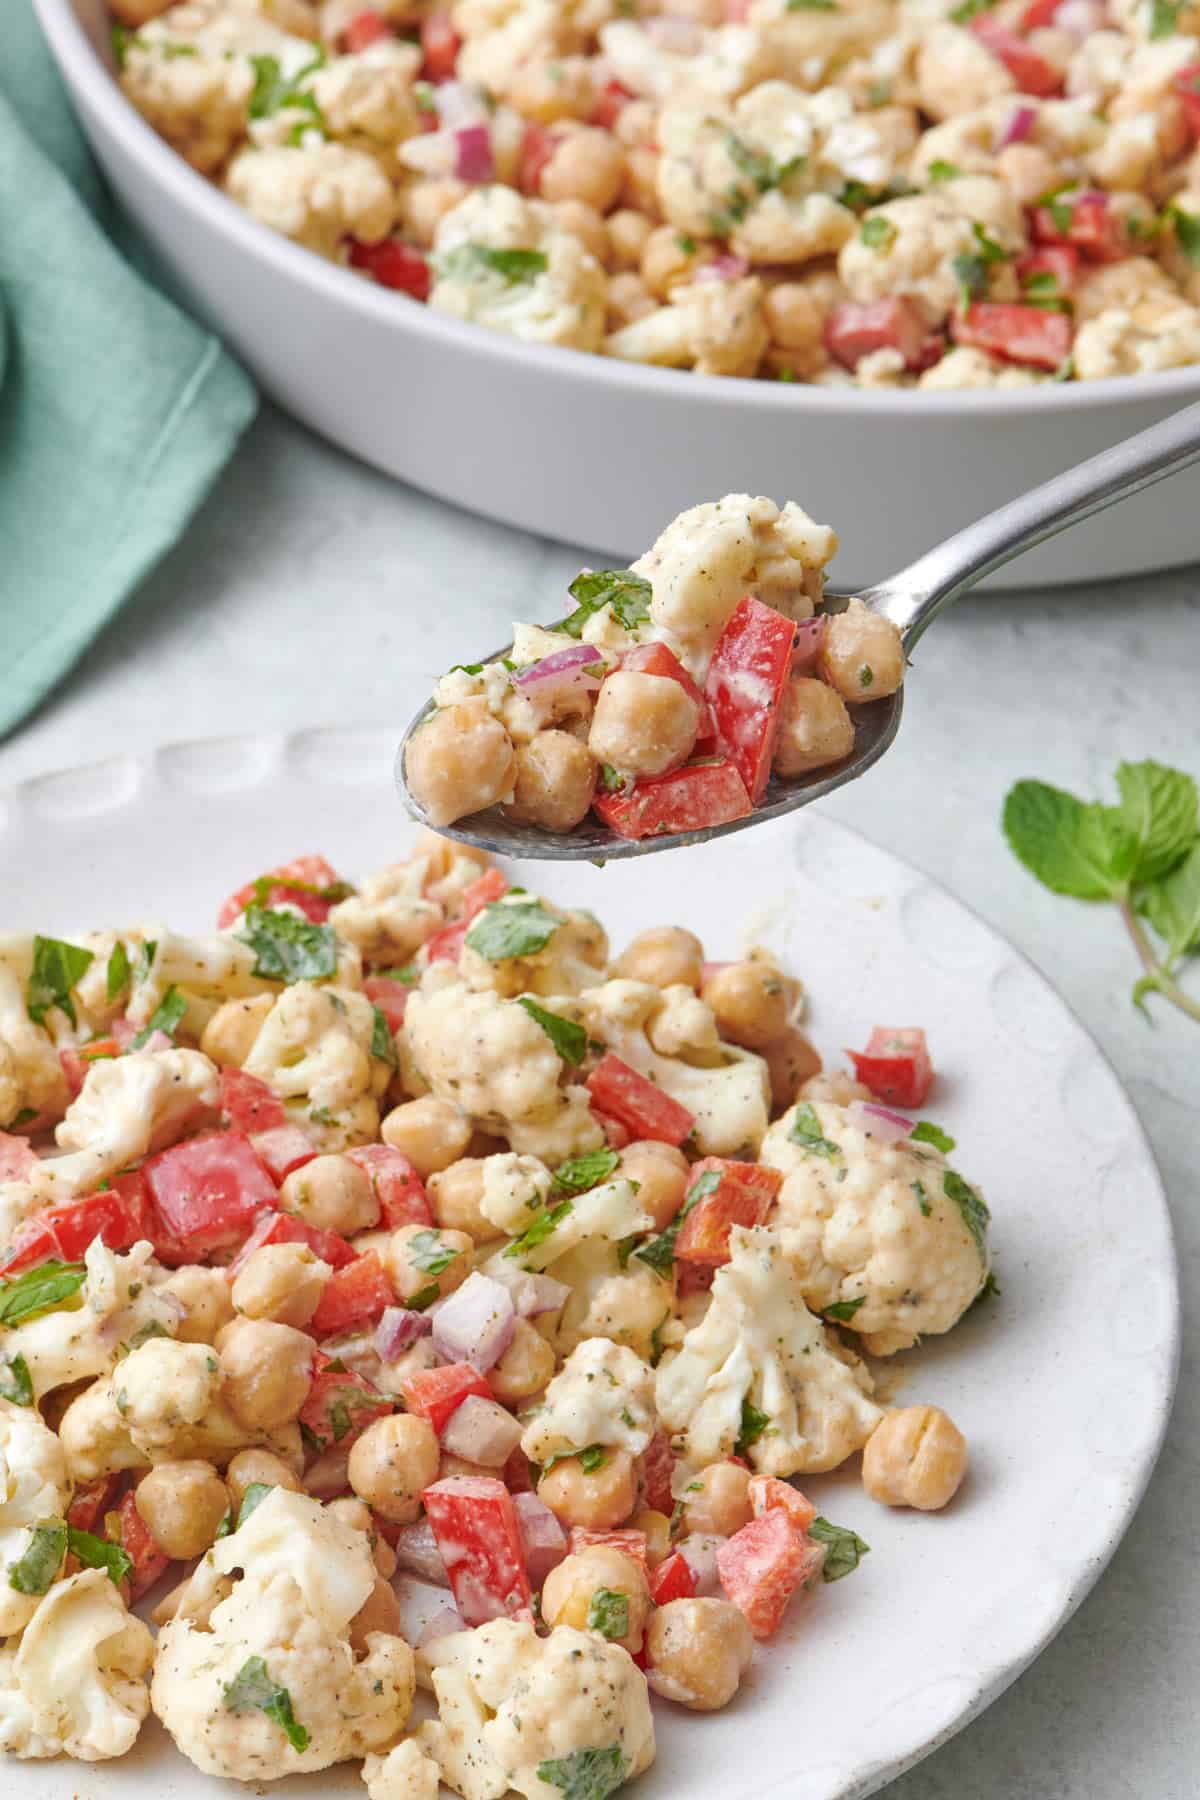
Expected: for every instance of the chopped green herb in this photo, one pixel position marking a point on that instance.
(166, 1018)
(877, 233)
(288, 948)
(754, 1423)
(16, 1383)
(145, 960)
(408, 975)
(593, 1458)
(383, 1045)
(586, 1774)
(1062, 212)
(468, 261)
(39, 1290)
(99, 1553)
(943, 171)
(120, 37)
(543, 1226)
(143, 1334)
(1041, 290)
(608, 1613)
(626, 595)
(971, 9)
(116, 976)
(26, 1116)
(844, 1310)
(579, 1173)
(57, 967)
(845, 1548)
(610, 780)
(918, 1188)
(252, 1499)
(568, 1038)
(35, 1571)
(659, 1252)
(1187, 233)
(926, 1132)
(252, 1690)
(685, 245)
(990, 1290)
(974, 1210)
(430, 1253)
(761, 170)
(423, 95)
(866, 676)
(806, 1131)
(1164, 18)
(508, 928)
(425, 1297)
(274, 91)
(812, 5)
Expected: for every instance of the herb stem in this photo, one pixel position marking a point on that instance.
(1157, 975)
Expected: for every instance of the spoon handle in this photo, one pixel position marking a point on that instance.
(913, 598)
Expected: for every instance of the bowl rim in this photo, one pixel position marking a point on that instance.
(87, 71)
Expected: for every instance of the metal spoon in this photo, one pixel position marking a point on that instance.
(912, 600)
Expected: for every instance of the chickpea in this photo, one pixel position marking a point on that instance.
(717, 1502)
(586, 224)
(670, 258)
(391, 1464)
(643, 724)
(698, 1652)
(751, 1002)
(587, 165)
(525, 1368)
(661, 1173)
(430, 1132)
(283, 1282)
(814, 727)
(380, 1611)
(332, 1194)
(640, 187)
(1028, 171)
(360, 1518)
(267, 1369)
(627, 235)
(205, 1299)
(862, 656)
(664, 956)
(796, 311)
(835, 1086)
(181, 1504)
(599, 1500)
(251, 1466)
(627, 300)
(791, 1060)
(636, 124)
(657, 1528)
(702, 12)
(460, 761)
(599, 1589)
(551, 90)
(456, 1196)
(915, 1457)
(426, 1265)
(230, 1034)
(555, 781)
(424, 204)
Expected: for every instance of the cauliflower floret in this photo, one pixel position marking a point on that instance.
(366, 101)
(316, 194)
(33, 1487)
(815, 43)
(684, 1025)
(702, 564)
(603, 1394)
(609, 1211)
(886, 1227)
(515, 1188)
(505, 262)
(1123, 286)
(964, 367)
(713, 327)
(675, 59)
(406, 1772)
(729, 1101)
(315, 1048)
(1154, 335)
(511, 1703)
(503, 36)
(571, 961)
(388, 919)
(759, 1344)
(127, 1107)
(163, 1387)
(630, 1305)
(281, 1630)
(566, 1128)
(1066, 129)
(31, 1078)
(956, 72)
(928, 232)
(75, 1683)
(119, 1306)
(483, 1054)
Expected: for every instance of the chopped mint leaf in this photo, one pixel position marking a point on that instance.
(508, 928)
(39, 1290)
(585, 1774)
(943, 171)
(116, 976)
(845, 1548)
(288, 948)
(974, 1210)
(568, 1038)
(806, 1131)
(579, 1173)
(877, 233)
(593, 1458)
(99, 1553)
(252, 1690)
(844, 1310)
(165, 1017)
(754, 1423)
(34, 1572)
(57, 967)
(625, 594)
(608, 1613)
(383, 1045)
(16, 1383)
(926, 1132)
(430, 1253)
(542, 1228)
(468, 261)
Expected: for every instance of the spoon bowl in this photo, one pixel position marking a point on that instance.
(911, 599)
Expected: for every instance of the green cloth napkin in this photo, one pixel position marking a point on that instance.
(117, 412)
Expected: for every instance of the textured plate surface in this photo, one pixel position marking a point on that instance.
(1062, 1386)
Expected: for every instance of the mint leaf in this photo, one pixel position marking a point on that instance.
(468, 261)
(625, 594)
(165, 1017)
(383, 1045)
(569, 1039)
(877, 233)
(608, 1613)
(806, 1131)
(754, 1423)
(1159, 809)
(99, 1553)
(39, 1290)
(16, 1383)
(975, 1214)
(430, 1253)
(844, 1310)
(593, 1458)
(1164, 18)
(1086, 851)
(57, 967)
(252, 1690)
(658, 1253)
(505, 929)
(116, 976)
(275, 92)
(585, 1774)
(1172, 906)
(541, 1229)
(41, 1562)
(288, 948)
(253, 1498)
(943, 171)
(1187, 233)
(926, 1132)
(845, 1548)
(579, 1173)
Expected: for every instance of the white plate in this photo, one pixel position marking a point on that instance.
(602, 453)
(1062, 1386)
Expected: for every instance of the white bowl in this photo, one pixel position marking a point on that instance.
(602, 453)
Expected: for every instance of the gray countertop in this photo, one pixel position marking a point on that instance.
(311, 588)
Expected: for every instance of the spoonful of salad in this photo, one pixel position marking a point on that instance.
(715, 683)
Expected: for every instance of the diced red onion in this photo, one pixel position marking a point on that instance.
(699, 1552)
(565, 673)
(476, 1323)
(1021, 122)
(158, 1040)
(1081, 17)
(443, 1624)
(481, 1431)
(399, 1329)
(542, 1537)
(810, 636)
(723, 268)
(417, 1554)
(473, 159)
(458, 104)
(679, 36)
(888, 1127)
(532, 1294)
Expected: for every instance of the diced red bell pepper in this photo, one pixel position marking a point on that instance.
(1095, 231)
(398, 1188)
(658, 1466)
(436, 1394)
(1059, 260)
(895, 1065)
(640, 1105)
(767, 1493)
(357, 1295)
(440, 45)
(538, 145)
(340, 1404)
(616, 1135)
(1020, 334)
(248, 1104)
(743, 1196)
(308, 871)
(283, 1149)
(17, 1159)
(672, 1580)
(1031, 72)
(476, 1529)
(126, 1527)
(446, 945)
(119, 1215)
(614, 97)
(855, 329)
(694, 798)
(760, 1567)
(76, 1063)
(656, 659)
(391, 997)
(365, 28)
(1187, 85)
(208, 1189)
(285, 1228)
(626, 1538)
(746, 677)
(92, 1500)
(394, 265)
(1038, 14)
